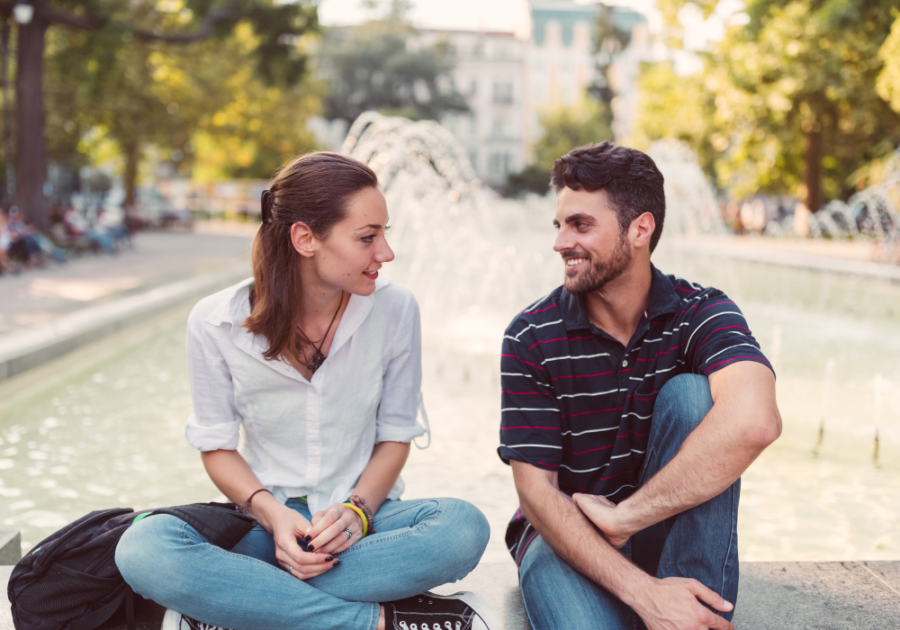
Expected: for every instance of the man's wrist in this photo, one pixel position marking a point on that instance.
(637, 590)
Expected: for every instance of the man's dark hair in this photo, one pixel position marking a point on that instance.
(629, 177)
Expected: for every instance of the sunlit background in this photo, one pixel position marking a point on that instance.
(776, 126)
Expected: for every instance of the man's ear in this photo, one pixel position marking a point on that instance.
(303, 239)
(641, 230)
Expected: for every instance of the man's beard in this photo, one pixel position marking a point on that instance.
(599, 273)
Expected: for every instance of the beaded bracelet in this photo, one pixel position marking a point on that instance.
(361, 514)
(358, 501)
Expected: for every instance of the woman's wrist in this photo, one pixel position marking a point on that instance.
(264, 507)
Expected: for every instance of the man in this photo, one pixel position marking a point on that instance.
(632, 403)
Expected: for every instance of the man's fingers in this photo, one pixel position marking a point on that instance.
(709, 596)
(583, 499)
(715, 622)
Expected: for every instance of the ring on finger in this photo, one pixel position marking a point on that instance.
(290, 569)
(349, 533)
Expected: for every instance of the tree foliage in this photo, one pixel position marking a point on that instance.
(146, 72)
(889, 79)
(382, 65)
(792, 105)
(563, 130)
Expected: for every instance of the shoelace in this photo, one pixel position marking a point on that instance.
(424, 626)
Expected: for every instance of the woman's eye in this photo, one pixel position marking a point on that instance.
(368, 239)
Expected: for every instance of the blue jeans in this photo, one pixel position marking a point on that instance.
(700, 543)
(418, 545)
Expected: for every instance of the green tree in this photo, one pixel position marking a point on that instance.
(118, 25)
(889, 79)
(610, 39)
(794, 94)
(382, 65)
(563, 129)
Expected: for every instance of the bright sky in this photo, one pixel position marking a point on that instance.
(510, 15)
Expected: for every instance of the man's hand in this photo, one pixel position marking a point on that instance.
(675, 604)
(602, 513)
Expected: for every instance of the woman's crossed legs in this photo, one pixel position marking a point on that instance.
(418, 545)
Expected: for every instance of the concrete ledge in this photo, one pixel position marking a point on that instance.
(10, 547)
(25, 349)
(782, 595)
(768, 255)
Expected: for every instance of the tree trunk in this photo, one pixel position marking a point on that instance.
(132, 161)
(31, 146)
(814, 170)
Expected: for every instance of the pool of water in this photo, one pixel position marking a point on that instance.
(103, 426)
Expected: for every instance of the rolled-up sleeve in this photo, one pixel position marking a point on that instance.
(399, 406)
(720, 336)
(215, 423)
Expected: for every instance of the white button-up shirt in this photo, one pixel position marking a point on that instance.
(307, 438)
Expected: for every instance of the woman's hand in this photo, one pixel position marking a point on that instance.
(287, 526)
(328, 533)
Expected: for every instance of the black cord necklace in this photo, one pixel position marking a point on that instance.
(318, 358)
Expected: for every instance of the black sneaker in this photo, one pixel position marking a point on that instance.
(176, 621)
(460, 611)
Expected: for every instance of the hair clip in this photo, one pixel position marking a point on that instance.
(266, 203)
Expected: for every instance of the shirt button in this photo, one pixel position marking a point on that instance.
(625, 363)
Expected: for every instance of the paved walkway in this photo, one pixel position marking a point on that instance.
(40, 296)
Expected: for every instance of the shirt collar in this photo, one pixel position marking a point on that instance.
(663, 299)
(234, 309)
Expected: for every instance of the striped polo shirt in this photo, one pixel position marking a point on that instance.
(576, 401)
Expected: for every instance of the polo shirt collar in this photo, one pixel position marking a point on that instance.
(663, 299)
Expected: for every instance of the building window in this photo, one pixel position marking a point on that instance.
(503, 93)
(499, 164)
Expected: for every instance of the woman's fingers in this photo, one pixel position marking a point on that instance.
(312, 565)
(335, 537)
(326, 518)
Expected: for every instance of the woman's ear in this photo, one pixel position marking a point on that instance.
(303, 239)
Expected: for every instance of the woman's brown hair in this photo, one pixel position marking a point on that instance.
(313, 189)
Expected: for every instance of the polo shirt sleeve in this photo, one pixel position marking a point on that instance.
(215, 423)
(720, 336)
(400, 398)
(530, 428)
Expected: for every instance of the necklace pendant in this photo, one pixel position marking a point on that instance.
(316, 362)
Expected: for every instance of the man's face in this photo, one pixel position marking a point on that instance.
(593, 248)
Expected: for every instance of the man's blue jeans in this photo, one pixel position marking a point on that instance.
(700, 543)
(418, 545)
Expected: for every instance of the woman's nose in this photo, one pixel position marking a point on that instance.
(385, 254)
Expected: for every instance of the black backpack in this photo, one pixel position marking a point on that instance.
(70, 580)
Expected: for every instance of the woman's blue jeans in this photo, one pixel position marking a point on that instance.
(419, 545)
(700, 543)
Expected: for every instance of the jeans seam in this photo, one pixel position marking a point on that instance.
(416, 530)
(730, 542)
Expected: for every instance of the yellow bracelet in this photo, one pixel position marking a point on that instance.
(362, 515)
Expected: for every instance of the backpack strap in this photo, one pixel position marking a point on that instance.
(102, 614)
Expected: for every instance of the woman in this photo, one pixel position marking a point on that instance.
(319, 361)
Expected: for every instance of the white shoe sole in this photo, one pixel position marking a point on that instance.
(486, 618)
(171, 621)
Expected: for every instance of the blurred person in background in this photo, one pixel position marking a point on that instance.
(5, 242)
(24, 242)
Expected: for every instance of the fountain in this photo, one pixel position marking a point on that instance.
(105, 426)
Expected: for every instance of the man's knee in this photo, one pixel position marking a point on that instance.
(683, 402)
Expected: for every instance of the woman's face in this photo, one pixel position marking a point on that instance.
(356, 249)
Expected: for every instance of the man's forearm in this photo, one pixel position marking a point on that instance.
(572, 536)
(743, 421)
